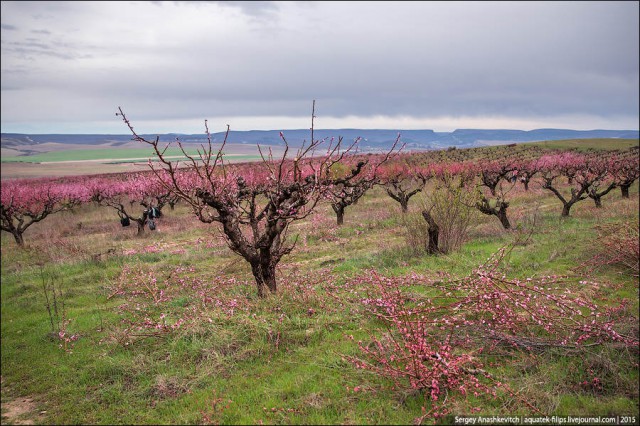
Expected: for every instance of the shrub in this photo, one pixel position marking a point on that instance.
(433, 344)
(449, 206)
(616, 244)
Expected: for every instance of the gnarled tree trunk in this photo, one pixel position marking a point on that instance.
(502, 215)
(265, 276)
(19, 238)
(433, 233)
(339, 209)
(500, 211)
(624, 190)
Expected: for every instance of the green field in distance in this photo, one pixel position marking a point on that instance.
(596, 143)
(125, 154)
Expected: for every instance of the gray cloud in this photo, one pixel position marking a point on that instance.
(33, 50)
(186, 60)
(254, 8)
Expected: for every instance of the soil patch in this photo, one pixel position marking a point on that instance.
(14, 411)
(19, 411)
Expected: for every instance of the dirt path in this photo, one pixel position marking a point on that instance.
(19, 411)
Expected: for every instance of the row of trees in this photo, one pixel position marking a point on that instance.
(255, 203)
(569, 175)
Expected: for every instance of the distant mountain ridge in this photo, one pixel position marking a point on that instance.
(371, 139)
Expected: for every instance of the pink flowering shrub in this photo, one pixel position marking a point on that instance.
(433, 341)
(67, 340)
(616, 244)
(154, 305)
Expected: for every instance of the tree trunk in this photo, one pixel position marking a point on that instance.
(404, 204)
(565, 209)
(140, 224)
(499, 211)
(526, 184)
(624, 189)
(401, 197)
(433, 233)
(339, 209)
(502, 215)
(257, 275)
(597, 200)
(265, 276)
(19, 238)
(269, 277)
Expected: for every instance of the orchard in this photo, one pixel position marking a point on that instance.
(325, 285)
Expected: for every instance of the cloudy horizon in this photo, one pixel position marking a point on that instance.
(68, 66)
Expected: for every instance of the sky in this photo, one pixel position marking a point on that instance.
(68, 66)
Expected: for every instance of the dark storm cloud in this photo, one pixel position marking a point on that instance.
(181, 60)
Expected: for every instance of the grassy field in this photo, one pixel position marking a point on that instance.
(129, 159)
(65, 160)
(584, 144)
(123, 154)
(240, 359)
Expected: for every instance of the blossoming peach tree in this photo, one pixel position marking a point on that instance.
(28, 201)
(402, 181)
(254, 203)
(132, 195)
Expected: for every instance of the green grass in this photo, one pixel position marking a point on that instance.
(124, 154)
(584, 144)
(278, 360)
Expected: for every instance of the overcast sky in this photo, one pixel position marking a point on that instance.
(67, 66)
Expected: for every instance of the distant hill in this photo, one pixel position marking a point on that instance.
(372, 139)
